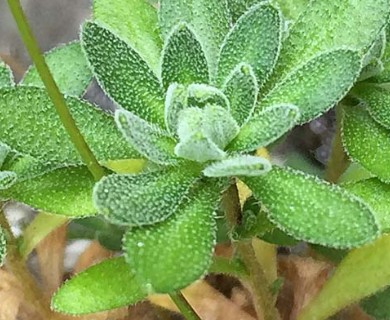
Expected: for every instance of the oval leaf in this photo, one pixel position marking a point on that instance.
(105, 286)
(6, 78)
(30, 124)
(122, 73)
(146, 198)
(238, 7)
(199, 95)
(69, 68)
(312, 210)
(183, 242)
(183, 60)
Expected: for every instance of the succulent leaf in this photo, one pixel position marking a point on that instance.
(175, 101)
(6, 78)
(7, 179)
(384, 76)
(238, 7)
(199, 95)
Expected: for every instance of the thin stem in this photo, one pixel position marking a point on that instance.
(53, 91)
(182, 304)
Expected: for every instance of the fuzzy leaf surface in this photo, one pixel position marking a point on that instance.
(122, 73)
(185, 241)
(366, 141)
(264, 128)
(255, 39)
(175, 101)
(312, 210)
(6, 78)
(238, 7)
(104, 286)
(377, 195)
(209, 19)
(134, 21)
(317, 85)
(69, 68)
(199, 95)
(183, 59)
(7, 179)
(291, 9)
(148, 139)
(384, 76)
(244, 165)
(349, 284)
(241, 89)
(29, 123)
(146, 198)
(3, 247)
(4, 152)
(65, 191)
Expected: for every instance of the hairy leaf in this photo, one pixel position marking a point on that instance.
(7, 179)
(199, 148)
(317, 85)
(377, 49)
(291, 9)
(238, 7)
(146, 198)
(185, 241)
(30, 124)
(65, 191)
(6, 78)
(183, 59)
(362, 273)
(148, 139)
(4, 152)
(374, 68)
(384, 76)
(122, 73)
(255, 39)
(378, 305)
(377, 195)
(238, 166)
(69, 68)
(175, 101)
(208, 18)
(241, 89)
(366, 141)
(105, 286)
(312, 210)
(199, 95)
(264, 128)
(136, 22)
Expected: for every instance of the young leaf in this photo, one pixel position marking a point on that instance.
(148, 139)
(264, 128)
(255, 39)
(65, 191)
(3, 247)
(183, 59)
(238, 7)
(199, 95)
(350, 283)
(122, 73)
(185, 241)
(134, 21)
(175, 101)
(199, 148)
(6, 78)
(384, 76)
(105, 286)
(378, 305)
(312, 210)
(238, 166)
(69, 68)
(376, 50)
(30, 124)
(377, 195)
(146, 198)
(208, 18)
(241, 89)
(7, 179)
(366, 141)
(374, 68)
(317, 85)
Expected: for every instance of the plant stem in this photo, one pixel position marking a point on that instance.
(53, 91)
(182, 304)
(262, 296)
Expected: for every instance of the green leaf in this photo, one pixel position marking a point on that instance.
(105, 286)
(122, 73)
(146, 198)
(238, 7)
(7, 179)
(264, 128)
(317, 85)
(208, 18)
(291, 9)
(69, 68)
(4, 152)
(244, 165)
(384, 76)
(241, 89)
(374, 68)
(377, 49)
(65, 191)
(183, 59)
(312, 210)
(330, 25)
(199, 148)
(136, 22)
(6, 78)
(199, 95)
(362, 273)
(3, 247)
(366, 141)
(175, 101)
(148, 139)
(30, 124)
(378, 305)
(255, 39)
(184, 242)
(377, 195)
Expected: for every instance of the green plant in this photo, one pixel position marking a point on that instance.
(200, 86)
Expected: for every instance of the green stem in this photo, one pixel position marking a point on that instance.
(54, 93)
(182, 304)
